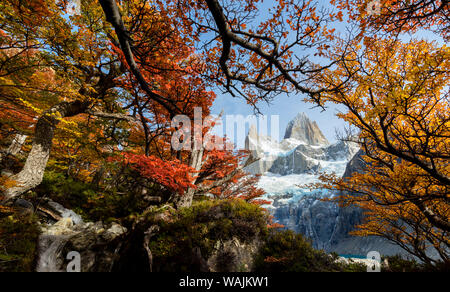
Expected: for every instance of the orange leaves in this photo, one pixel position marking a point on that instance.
(398, 16)
(393, 200)
(5, 210)
(266, 49)
(272, 259)
(224, 165)
(6, 183)
(173, 175)
(275, 226)
(396, 82)
(396, 98)
(32, 13)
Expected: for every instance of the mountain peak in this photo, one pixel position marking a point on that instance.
(253, 132)
(303, 129)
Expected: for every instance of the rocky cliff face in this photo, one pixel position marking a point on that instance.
(328, 225)
(303, 129)
(287, 167)
(299, 152)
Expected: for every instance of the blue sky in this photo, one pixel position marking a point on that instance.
(287, 107)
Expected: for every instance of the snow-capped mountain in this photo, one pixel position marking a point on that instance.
(303, 129)
(287, 167)
(298, 158)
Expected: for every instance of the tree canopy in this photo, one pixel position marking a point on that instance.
(92, 95)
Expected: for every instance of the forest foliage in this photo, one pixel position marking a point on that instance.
(88, 99)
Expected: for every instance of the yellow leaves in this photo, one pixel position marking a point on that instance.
(396, 83)
(389, 195)
(6, 81)
(31, 106)
(86, 176)
(6, 183)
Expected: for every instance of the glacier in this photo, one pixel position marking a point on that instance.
(288, 169)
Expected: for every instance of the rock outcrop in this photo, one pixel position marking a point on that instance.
(295, 154)
(297, 160)
(303, 129)
(211, 236)
(96, 244)
(307, 159)
(327, 225)
(355, 165)
(233, 256)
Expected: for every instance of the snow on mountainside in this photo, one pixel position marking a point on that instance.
(299, 152)
(296, 160)
(287, 166)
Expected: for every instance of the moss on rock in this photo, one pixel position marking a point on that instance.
(18, 242)
(199, 238)
(195, 234)
(286, 251)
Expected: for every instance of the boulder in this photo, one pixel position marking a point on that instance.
(97, 244)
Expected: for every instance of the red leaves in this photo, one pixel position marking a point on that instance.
(171, 174)
(275, 226)
(241, 185)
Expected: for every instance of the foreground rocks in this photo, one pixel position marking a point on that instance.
(212, 236)
(96, 243)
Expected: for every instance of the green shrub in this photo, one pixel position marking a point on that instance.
(399, 264)
(92, 203)
(18, 243)
(200, 228)
(286, 251)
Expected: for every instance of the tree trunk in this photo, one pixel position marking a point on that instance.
(13, 150)
(196, 162)
(185, 201)
(33, 171)
(15, 147)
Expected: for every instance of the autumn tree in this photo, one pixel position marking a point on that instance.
(399, 103)
(243, 55)
(394, 17)
(397, 106)
(84, 73)
(109, 98)
(82, 55)
(254, 57)
(187, 92)
(223, 176)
